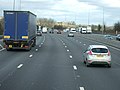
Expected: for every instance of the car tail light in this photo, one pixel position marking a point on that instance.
(90, 52)
(108, 53)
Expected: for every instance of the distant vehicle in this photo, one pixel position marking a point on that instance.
(73, 30)
(70, 34)
(39, 33)
(83, 30)
(118, 37)
(97, 54)
(58, 32)
(19, 30)
(89, 30)
(51, 31)
(108, 37)
(44, 30)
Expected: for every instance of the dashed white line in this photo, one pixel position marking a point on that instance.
(70, 56)
(19, 66)
(63, 43)
(75, 68)
(39, 45)
(68, 50)
(65, 46)
(82, 88)
(30, 55)
(84, 44)
(36, 49)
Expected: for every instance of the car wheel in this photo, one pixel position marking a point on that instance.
(109, 66)
(84, 62)
(87, 64)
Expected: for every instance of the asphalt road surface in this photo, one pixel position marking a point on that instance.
(56, 63)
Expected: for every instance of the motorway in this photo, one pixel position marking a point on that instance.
(56, 63)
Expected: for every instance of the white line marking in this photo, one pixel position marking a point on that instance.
(63, 43)
(2, 49)
(80, 42)
(82, 88)
(19, 66)
(65, 46)
(70, 56)
(84, 44)
(36, 49)
(41, 43)
(68, 50)
(30, 55)
(75, 68)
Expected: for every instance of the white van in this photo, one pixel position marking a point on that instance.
(83, 30)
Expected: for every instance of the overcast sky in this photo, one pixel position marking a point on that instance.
(80, 11)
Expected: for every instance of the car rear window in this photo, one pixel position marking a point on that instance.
(99, 50)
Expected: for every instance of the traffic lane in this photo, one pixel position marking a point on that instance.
(10, 60)
(49, 69)
(97, 77)
(114, 51)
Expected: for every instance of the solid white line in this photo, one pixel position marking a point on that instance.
(30, 55)
(70, 56)
(75, 68)
(19, 66)
(82, 88)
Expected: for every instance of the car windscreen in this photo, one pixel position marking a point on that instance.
(99, 50)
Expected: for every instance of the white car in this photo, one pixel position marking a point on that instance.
(97, 54)
(70, 34)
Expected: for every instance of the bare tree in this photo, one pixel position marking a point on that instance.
(1, 26)
(46, 22)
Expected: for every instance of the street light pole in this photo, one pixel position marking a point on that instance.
(14, 5)
(103, 22)
(20, 4)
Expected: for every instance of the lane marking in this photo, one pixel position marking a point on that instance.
(82, 88)
(75, 68)
(80, 42)
(31, 56)
(41, 43)
(2, 49)
(19, 66)
(63, 43)
(36, 49)
(65, 46)
(68, 50)
(71, 56)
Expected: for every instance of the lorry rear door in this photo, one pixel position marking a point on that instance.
(10, 24)
(22, 25)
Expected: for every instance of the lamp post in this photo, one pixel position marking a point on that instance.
(103, 22)
(14, 5)
(20, 4)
